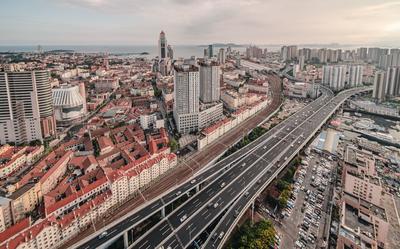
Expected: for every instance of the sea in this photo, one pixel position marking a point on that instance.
(180, 51)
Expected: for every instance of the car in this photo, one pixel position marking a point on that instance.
(210, 204)
(215, 236)
(193, 181)
(243, 164)
(216, 205)
(246, 194)
(223, 184)
(236, 214)
(178, 193)
(103, 234)
(183, 218)
(221, 235)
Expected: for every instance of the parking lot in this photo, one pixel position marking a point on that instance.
(302, 225)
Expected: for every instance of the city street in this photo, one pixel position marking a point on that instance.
(193, 164)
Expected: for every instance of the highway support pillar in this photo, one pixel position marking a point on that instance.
(163, 212)
(126, 242)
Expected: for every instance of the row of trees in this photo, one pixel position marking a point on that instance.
(260, 235)
(256, 133)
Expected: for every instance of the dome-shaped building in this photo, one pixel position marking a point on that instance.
(69, 103)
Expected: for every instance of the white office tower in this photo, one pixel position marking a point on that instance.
(301, 62)
(355, 75)
(170, 52)
(393, 82)
(210, 75)
(379, 87)
(186, 97)
(221, 56)
(26, 110)
(334, 77)
(69, 105)
(162, 46)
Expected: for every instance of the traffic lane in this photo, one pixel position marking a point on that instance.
(132, 220)
(152, 238)
(225, 224)
(219, 166)
(229, 218)
(198, 224)
(223, 179)
(163, 229)
(211, 190)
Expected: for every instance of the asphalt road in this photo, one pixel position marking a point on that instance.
(240, 205)
(191, 218)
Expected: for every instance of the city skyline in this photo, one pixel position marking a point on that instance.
(122, 22)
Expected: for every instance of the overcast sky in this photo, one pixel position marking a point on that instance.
(138, 22)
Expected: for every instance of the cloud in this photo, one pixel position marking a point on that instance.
(204, 21)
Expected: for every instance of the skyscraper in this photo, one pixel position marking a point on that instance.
(162, 46)
(210, 75)
(26, 110)
(170, 52)
(355, 75)
(186, 97)
(334, 76)
(221, 56)
(210, 51)
(392, 82)
(379, 87)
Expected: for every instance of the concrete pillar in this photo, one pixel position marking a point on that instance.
(163, 212)
(126, 242)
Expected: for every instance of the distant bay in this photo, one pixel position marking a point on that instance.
(184, 51)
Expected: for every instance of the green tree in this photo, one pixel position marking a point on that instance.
(173, 144)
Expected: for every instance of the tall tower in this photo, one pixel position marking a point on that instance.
(186, 97)
(210, 75)
(379, 87)
(162, 46)
(26, 110)
(210, 51)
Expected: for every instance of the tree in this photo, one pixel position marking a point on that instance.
(173, 144)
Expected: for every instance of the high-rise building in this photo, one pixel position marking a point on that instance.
(289, 52)
(26, 110)
(162, 46)
(362, 53)
(355, 75)
(210, 51)
(186, 97)
(210, 75)
(170, 52)
(301, 62)
(254, 52)
(334, 76)
(221, 56)
(379, 87)
(392, 82)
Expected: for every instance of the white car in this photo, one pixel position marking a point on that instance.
(103, 234)
(183, 218)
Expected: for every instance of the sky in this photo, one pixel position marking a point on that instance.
(139, 22)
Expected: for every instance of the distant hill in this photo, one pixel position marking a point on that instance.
(223, 45)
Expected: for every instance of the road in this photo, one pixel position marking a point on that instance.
(312, 123)
(143, 208)
(275, 144)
